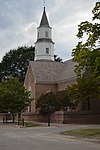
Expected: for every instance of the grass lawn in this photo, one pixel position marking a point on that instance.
(85, 133)
(31, 124)
(26, 124)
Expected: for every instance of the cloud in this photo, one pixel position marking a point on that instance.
(19, 20)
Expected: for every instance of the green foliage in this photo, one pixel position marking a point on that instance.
(85, 133)
(13, 96)
(86, 89)
(87, 54)
(47, 101)
(15, 62)
(54, 102)
(96, 11)
(63, 100)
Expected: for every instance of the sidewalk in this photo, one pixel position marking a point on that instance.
(45, 124)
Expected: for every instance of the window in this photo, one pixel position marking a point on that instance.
(38, 34)
(46, 34)
(47, 50)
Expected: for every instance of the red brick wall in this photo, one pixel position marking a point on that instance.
(82, 117)
(61, 117)
(67, 117)
(6, 116)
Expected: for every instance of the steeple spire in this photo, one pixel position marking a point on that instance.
(44, 46)
(44, 21)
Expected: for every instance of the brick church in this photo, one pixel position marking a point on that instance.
(44, 74)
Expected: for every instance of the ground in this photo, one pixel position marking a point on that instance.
(45, 138)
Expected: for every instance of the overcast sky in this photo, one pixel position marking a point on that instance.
(19, 20)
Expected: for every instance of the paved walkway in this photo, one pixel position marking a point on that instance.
(45, 138)
(68, 126)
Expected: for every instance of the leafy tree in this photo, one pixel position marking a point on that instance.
(47, 102)
(63, 100)
(54, 102)
(15, 62)
(85, 90)
(87, 56)
(13, 96)
(87, 53)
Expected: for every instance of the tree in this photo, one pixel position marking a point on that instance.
(15, 62)
(85, 90)
(87, 54)
(54, 101)
(13, 96)
(47, 101)
(64, 100)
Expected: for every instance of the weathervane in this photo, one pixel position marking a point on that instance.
(44, 3)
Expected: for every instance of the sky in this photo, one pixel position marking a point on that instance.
(19, 20)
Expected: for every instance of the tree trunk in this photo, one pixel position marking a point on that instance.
(88, 104)
(13, 117)
(19, 115)
(49, 114)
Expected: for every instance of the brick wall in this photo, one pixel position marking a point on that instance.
(73, 117)
(6, 116)
(82, 117)
(66, 117)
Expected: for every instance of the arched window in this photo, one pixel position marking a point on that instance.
(46, 34)
(38, 34)
(47, 50)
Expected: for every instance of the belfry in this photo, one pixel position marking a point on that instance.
(44, 46)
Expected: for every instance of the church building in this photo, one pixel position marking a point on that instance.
(44, 74)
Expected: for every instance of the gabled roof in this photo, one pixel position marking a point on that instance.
(44, 21)
(53, 72)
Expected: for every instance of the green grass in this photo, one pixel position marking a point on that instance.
(85, 133)
(26, 124)
(31, 124)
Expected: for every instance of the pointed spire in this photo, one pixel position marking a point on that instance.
(44, 21)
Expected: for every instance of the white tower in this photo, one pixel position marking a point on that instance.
(44, 46)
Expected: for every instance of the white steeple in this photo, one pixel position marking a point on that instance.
(44, 46)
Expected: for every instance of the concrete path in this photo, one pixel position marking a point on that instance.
(45, 138)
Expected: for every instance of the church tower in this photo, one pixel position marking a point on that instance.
(44, 46)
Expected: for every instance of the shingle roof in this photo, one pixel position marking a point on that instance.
(54, 72)
(44, 21)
